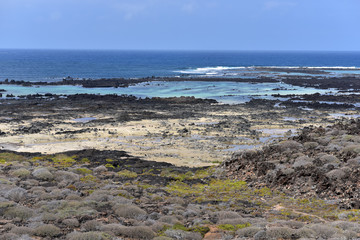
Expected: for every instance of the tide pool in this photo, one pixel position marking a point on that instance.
(223, 92)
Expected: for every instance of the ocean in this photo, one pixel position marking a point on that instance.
(54, 65)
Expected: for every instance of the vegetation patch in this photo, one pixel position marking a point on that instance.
(230, 227)
(127, 174)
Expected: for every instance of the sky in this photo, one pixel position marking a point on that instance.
(314, 25)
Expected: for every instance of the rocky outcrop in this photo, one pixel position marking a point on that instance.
(319, 162)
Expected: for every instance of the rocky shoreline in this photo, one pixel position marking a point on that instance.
(119, 167)
(92, 194)
(343, 83)
(122, 82)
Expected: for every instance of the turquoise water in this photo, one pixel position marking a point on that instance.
(225, 92)
(54, 65)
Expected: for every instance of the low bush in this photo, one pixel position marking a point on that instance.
(83, 171)
(127, 174)
(336, 174)
(9, 236)
(302, 162)
(290, 224)
(42, 174)
(350, 234)
(305, 232)
(129, 211)
(22, 231)
(72, 222)
(180, 234)
(114, 228)
(351, 149)
(233, 221)
(16, 194)
(47, 230)
(310, 145)
(327, 158)
(91, 225)
(289, 145)
(323, 231)
(227, 215)
(231, 227)
(136, 232)
(23, 213)
(89, 236)
(100, 169)
(248, 232)
(169, 219)
(21, 173)
(66, 177)
(346, 225)
(279, 233)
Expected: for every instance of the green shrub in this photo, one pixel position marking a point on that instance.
(89, 236)
(23, 213)
(279, 233)
(336, 174)
(233, 221)
(67, 177)
(180, 234)
(127, 174)
(109, 165)
(22, 231)
(62, 160)
(16, 194)
(72, 222)
(47, 230)
(311, 145)
(88, 179)
(114, 228)
(42, 174)
(91, 225)
(11, 157)
(227, 215)
(129, 211)
(230, 227)
(200, 229)
(83, 171)
(305, 233)
(248, 232)
(324, 231)
(138, 232)
(21, 173)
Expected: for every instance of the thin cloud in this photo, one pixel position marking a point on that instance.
(270, 5)
(188, 8)
(55, 16)
(131, 9)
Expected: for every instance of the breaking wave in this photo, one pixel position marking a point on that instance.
(225, 69)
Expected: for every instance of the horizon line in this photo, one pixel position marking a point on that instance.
(173, 50)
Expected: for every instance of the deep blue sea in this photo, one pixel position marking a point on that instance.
(54, 65)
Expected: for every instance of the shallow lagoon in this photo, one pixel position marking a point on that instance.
(224, 92)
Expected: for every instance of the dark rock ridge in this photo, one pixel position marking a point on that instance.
(319, 162)
(342, 83)
(348, 98)
(122, 82)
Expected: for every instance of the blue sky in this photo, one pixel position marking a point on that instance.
(181, 24)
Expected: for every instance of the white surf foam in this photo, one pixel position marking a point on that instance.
(225, 69)
(211, 70)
